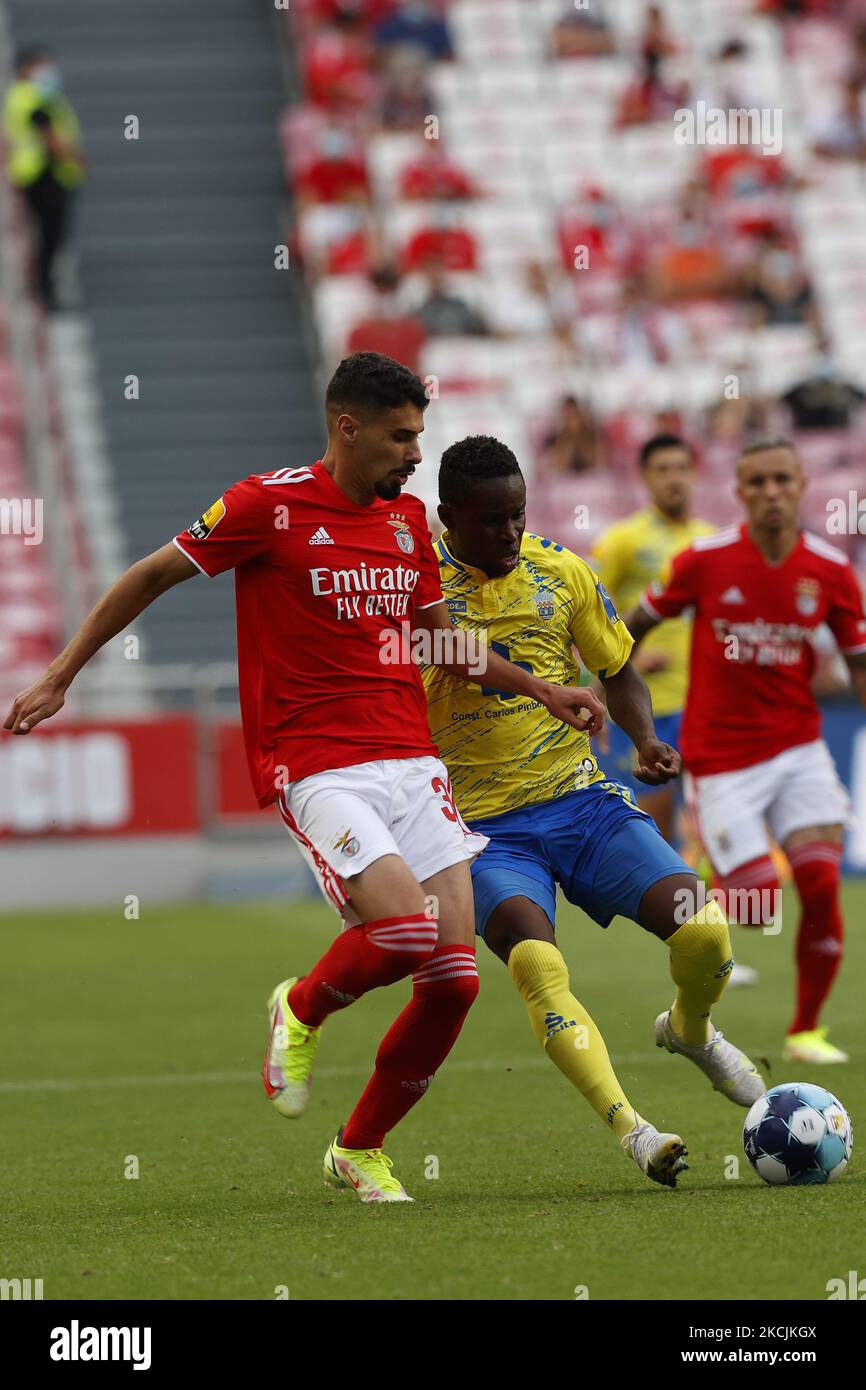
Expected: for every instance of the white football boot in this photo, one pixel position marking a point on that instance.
(742, 976)
(730, 1070)
(661, 1156)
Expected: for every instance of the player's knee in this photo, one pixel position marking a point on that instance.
(709, 939)
(402, 945)
(449, 979)
(817, 870)
(750, 893)
(538, 969)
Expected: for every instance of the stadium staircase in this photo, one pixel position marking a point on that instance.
(176, 233)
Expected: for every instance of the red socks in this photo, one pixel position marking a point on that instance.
(816, 869)
(415, 1045)
(750, 892)
(363, 958)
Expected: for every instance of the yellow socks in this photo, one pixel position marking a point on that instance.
(700, 965)
(567, 1033)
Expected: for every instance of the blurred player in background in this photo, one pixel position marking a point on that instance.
(628, 558)
(751, 733)
(535, 789)
(329, 559)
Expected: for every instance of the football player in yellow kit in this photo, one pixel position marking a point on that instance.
(629, 557)
(553, 817)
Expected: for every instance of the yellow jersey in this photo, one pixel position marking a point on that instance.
(506, 751)
(629, 557)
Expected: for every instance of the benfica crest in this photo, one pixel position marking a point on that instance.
(808, 593)
(402, 535)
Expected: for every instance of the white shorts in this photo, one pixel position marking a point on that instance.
(797, 788)
(342, 821)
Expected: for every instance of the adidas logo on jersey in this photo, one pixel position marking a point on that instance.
(321, 537)
(733, 595)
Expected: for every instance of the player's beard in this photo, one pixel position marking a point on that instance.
(387, 488)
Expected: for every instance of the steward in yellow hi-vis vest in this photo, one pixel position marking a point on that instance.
(554, 820)
(45, 159)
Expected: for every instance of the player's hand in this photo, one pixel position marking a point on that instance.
(651, 663)
(29, 708)
(576, 705)
(657, 763)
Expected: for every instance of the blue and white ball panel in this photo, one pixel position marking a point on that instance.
(798, 1134)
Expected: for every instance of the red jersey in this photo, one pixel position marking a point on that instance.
(752, 654)
(318, 581)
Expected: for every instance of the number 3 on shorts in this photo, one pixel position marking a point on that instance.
(449, 810)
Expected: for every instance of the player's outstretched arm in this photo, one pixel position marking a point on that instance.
(857, 666)
(457, 652)
(629, 704)
(639, 622)
(128, 596)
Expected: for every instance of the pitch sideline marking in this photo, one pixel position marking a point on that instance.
(210, 1078)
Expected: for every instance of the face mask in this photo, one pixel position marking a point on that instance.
(689, 234)
(780, 264)
(47, 79)
(823, 370)
(335, 144)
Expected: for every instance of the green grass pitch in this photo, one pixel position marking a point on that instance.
(143, 1040)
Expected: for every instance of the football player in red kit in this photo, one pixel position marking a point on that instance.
(331, 562)
(751, 734)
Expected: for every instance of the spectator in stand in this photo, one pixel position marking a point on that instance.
(639, 334)
(336, 172)
(690, 263)
(649, 97)
(574, 444)
(582, 33)
(416, 24)
(45, 160)
(337, 63)
(857, 72)
(406, 99)
(796, 9)
(370, 11)
(843, 135)
(824, 400)
(338, 239)
(777, 284)
(728, 423)
(538, 303)
(443, 313)
(432, 176)
(655, 41)
(388, 329)
(593, 220)
(443, 240)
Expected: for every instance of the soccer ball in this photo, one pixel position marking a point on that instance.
(798, 1133)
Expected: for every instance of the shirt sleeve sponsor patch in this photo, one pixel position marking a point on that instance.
(202, 528)
(609, 606)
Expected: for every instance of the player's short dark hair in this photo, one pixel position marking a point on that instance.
(29, 53)
(760, 446)
(473, 460)
(370, 383)
(664, 441)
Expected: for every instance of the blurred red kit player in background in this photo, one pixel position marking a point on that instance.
(751, 732)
